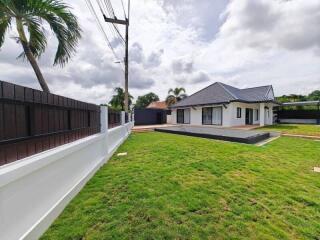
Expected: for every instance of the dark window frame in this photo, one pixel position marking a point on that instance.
(239, 112)
(257, 115)
(184, 116)
(181, 119)
(179, 116)
(206, 108)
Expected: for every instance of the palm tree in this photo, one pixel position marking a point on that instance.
(175, 95)
(29, 15)
(117, 100)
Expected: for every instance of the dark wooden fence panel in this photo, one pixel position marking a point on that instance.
(126, 117)
(114, 118)
(298, 114)
(32, 121)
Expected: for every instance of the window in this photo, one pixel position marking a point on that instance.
(180, 116)
(257, 115)
(187, 116)
(238, 112)
(212, 116)
(207, 116)
(183, 116)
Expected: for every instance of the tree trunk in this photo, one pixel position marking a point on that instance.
(30, 57)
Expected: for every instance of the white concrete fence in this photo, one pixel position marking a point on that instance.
(35, 190)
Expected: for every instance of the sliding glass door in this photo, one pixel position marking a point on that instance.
(217, 116)
(212, 116)
(183, 116)
(207, 116)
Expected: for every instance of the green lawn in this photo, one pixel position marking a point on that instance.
(298, 129)
(178, 187)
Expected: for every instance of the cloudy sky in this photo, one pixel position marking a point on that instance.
(185, 43)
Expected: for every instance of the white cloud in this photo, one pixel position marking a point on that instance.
(187, 44)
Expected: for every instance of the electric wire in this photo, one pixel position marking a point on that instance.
(90, 6)
(124, 11)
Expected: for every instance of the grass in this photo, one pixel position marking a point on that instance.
(178, 187)
(297, 129)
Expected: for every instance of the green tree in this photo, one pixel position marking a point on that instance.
(314, 96)
(291, 98)
(175, 95)
(29, 16)
(145, 100)
(117, 100)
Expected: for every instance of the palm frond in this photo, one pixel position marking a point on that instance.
(182, 90)
(5, 23)
(62, 22)
(171, 99)
(37, 40)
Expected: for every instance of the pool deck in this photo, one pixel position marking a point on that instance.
(225, 134)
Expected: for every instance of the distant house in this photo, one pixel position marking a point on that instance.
(223, 105)
(158, 105)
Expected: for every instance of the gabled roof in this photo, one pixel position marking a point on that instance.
(219, 93)
(158, 105)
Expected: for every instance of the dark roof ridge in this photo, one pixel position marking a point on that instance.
(230, 93)
(255, 87)
(196, 93)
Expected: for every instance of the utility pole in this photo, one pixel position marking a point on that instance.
(126, 58)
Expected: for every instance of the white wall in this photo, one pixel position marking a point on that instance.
(242, 121)
(196, 116)
(229, 115)
(174, 116)
(34, 190)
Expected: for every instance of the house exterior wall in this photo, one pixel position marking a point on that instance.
(229, 114)
(234, 121)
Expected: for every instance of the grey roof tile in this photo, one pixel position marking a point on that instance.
(218, 93)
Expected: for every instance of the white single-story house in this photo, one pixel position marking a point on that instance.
(223, 105)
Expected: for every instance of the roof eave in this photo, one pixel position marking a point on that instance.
(198, 105)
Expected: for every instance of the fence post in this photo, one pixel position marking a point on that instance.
(123, 117)
(104, 119)
(104, 130)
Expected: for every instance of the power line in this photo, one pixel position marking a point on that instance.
(113, 19)
(124, 11)
(112, 15)
(90, 6)
(102, 12)
(115, 31)
(110, 9)
(119, 34)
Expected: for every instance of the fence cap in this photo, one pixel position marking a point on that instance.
(305, 103)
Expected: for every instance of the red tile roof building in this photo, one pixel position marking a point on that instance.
(158, 105)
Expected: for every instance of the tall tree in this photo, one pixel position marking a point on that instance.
(117, 100)
(29, 16)
(145, 100)
(175, 95)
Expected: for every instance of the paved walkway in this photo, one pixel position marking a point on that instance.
(301, 136)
